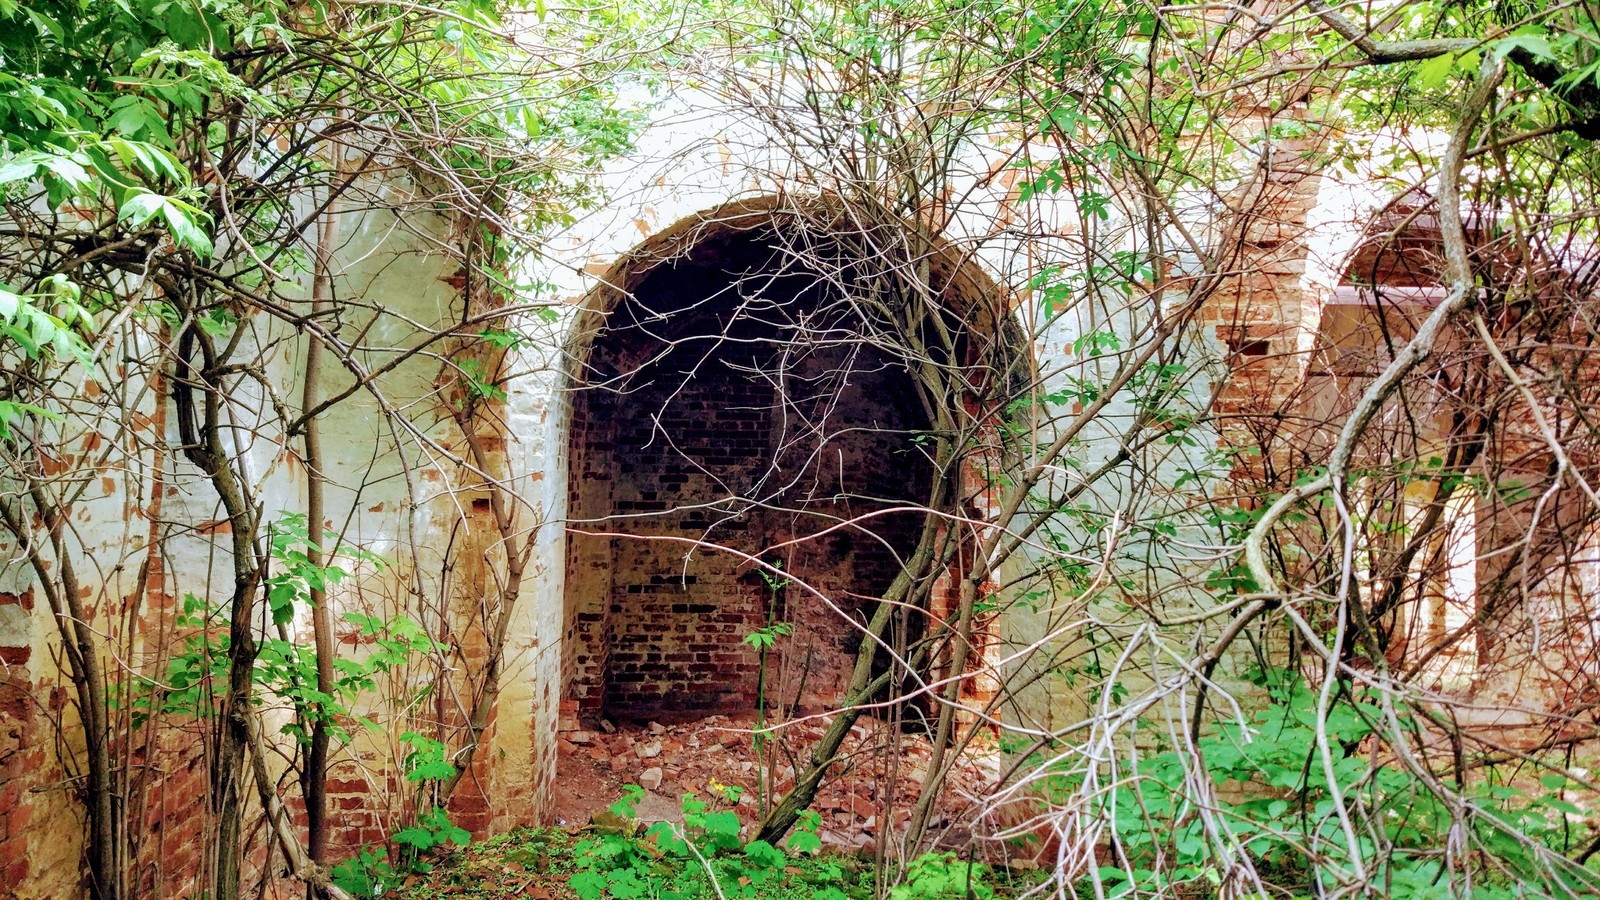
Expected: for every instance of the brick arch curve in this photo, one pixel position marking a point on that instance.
(702, 407)
(960, 275)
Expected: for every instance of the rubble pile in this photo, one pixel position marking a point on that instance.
(867, 785)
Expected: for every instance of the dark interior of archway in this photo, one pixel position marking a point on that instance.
(731, 401)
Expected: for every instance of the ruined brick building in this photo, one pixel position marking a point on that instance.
(646, 420)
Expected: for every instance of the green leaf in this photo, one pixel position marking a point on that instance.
(281, 598)
(624, 884)
(184, 220)
(415, 836)
(587, 885)
(805, 842)
(47, 26)
(433, 769)
(666, 839)
(625, 806)
(20, 168)
(131, 115)
(765, 855)
(70, 171)
(140, 208)
(1432, 73)
(722, 829)
(12, 412)
(1535, 43)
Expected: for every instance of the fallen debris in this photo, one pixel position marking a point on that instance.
(871, 788)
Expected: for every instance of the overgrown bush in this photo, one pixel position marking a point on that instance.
(1254, 805)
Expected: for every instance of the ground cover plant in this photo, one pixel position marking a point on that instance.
(617, 857)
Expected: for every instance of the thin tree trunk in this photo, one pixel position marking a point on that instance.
(947, 714)
(315, 778)
(862, 687)
(202, 442)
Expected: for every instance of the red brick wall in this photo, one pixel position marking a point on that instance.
(174, 814)
(40, 820)
(676, 619)
(20, 756)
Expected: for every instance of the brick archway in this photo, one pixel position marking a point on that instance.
(725, 407)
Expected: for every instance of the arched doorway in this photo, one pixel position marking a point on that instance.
(1474, 556)
(730, 403)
